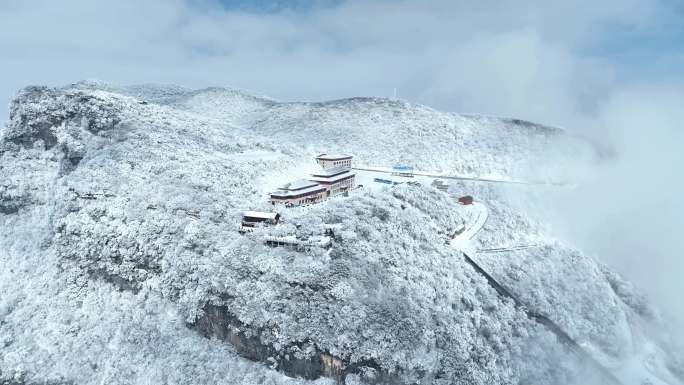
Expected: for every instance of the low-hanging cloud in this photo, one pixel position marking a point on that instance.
(551, 62)
(628, 211)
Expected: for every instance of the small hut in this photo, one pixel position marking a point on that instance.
(250, 219)
(466, 200)
(402, 170)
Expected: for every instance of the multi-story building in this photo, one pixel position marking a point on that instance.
(300, 192)
(330, 160)
(336, 177)
(336, 180)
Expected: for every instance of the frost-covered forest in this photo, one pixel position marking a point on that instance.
(122, 263)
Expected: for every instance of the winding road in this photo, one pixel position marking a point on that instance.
(388, 170)
(462, 242)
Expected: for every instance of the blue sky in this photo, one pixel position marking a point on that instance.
(656, 50)
(270, 6)
(453, 55)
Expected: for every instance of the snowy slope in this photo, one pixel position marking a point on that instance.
(120, 250)
(605, 314)
(401, 132)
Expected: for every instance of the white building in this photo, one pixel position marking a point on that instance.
(298, 193)
(336, 180)
(336, 177)
(331, 160)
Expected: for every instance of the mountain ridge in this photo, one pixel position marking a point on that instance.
(137, 205)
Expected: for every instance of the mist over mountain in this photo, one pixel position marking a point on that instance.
(122, 260)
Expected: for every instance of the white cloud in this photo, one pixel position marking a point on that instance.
(630, 212)
(425, 49)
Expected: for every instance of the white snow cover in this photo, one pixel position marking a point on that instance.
(118, 228)
(259, 214)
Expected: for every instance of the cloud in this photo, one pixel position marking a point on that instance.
(453, 55)
(560, 63)
(628, 211)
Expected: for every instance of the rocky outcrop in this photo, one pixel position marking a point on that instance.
(10, 202)
(36, 112)
(302, 359)
(58, 118)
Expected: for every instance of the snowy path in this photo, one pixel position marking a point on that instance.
(462, 241)
(507, 248)
(388, 170)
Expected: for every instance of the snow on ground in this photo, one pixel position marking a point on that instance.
(648, 361)
(431, 175)
(630, 349)
(478, 214)
(401, 132)
(118, 228)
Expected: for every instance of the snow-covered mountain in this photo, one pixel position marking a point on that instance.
(122, 263)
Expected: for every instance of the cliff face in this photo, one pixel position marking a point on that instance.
(122, 263)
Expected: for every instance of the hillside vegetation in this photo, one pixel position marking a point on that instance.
(122, 263)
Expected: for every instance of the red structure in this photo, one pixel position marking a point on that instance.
(466, 200)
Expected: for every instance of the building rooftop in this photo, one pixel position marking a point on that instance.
(327, 172)
(303, 191)
(333, 178)
(298, 185)
(260, 215)
(402, 167)
(333, 157)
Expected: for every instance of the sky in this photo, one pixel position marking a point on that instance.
(610, 70)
